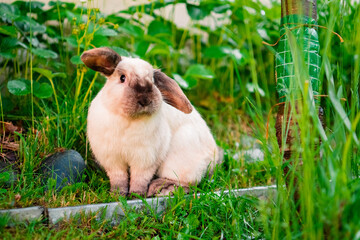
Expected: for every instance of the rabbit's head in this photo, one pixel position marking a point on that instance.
(133, 88)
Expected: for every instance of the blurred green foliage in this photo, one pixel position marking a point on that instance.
(202, 59)
(228, 74)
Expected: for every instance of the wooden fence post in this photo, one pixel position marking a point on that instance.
(300, 18)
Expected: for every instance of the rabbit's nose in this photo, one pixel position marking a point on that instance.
(144, 102)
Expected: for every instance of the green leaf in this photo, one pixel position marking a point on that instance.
(255, 88)
(76, 60)
(199, 71)
(253, 5)
(222, 8)
(70, 15)
(263, 34)
(72, 41)
(44, 72)
(141, 48)
(237, 56)
(159, 49)
(34, 5)
(43, 90)
(8, 30)
(182, 82)
(51, 32)
(197, 12)
(158, 28)
(121, 51)
(7, 55)
(223, 51)
(9, 13)
(165, 40)
(66, 5)
(186, 83)
(238, 14)
(160, 40)
(99, 41)
(23, 45)
(8, 43)
(28, 24)
(59, 74)
(34, 41)
(192, 82)
(215, 51)
(148, 8)
(132, 30)
(106, 32)
(19, 87)
(44, 53)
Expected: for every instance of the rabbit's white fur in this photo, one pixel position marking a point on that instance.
(180, 145)
(169, 143)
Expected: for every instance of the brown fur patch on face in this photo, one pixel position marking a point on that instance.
(138, 96)
(102, 60)
(171, 92)
(141, 104)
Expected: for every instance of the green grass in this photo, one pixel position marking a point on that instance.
(230, 101)
(209, 216)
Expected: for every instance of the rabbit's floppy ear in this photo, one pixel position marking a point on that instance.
(103, 60)
(171, 92)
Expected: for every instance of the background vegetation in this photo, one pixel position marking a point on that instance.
(228, 75)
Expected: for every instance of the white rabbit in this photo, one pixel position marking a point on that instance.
(136, 130)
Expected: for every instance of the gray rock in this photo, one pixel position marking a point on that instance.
(253, 155)
(251, 150)
(65, 167)
(248, 142)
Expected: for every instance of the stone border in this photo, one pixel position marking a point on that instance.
(23, 214)
(114, 210)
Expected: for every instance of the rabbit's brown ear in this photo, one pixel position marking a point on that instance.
(171, 92)
(103, 60)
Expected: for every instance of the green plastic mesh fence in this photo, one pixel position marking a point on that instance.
(306, 35)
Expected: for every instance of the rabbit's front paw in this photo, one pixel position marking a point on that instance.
(164, 187)
(134, 194)
(119, 182)
(140, 179)
(139, 190)
(121, 191)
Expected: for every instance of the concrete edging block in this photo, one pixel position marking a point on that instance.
(263, 191)
(23, 214)
(114, 210)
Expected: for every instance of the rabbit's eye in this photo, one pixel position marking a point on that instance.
(122, 78)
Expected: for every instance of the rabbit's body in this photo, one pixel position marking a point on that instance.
(133, 131)
(192, 149)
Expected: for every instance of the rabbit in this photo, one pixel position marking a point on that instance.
(141, 125)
